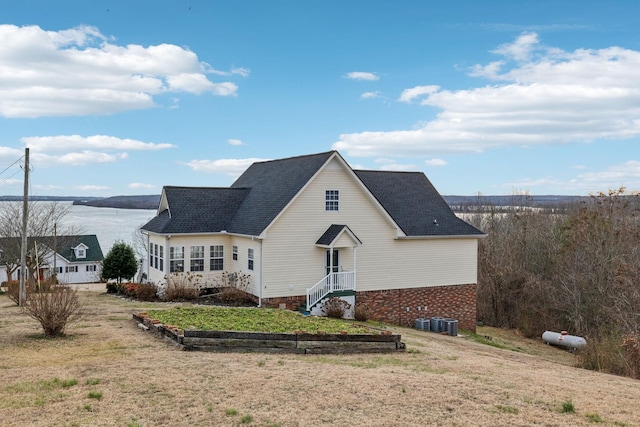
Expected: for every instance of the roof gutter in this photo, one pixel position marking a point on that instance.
(462, 236)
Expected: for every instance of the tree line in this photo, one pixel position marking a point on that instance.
(578, 270)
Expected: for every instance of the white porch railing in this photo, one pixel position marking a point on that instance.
(332, 282)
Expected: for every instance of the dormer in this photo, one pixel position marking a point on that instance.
(80, 251)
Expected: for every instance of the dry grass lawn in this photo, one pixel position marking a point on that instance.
(107, 372)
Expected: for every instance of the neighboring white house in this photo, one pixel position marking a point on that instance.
(75, 259)
(309, 227)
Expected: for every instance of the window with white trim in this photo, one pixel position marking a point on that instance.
(216, 257)
(161, 258)
(71, 269)
(91, 268)
(331, 200)
(176, 259)
(81, 252)
(153, 255)
(196, 258)
(250, 259)
(235, 253)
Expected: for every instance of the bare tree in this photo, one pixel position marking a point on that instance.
(42, 228)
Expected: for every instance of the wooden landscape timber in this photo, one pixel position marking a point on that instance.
(298, 342)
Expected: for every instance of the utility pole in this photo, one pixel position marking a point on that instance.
(25, 217)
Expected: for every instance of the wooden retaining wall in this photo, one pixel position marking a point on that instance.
(263, 342)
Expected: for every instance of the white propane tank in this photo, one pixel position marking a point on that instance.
(563, 339)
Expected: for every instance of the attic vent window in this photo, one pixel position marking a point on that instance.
(331, 200)
(81, 253)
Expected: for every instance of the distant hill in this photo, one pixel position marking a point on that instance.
(123, 202)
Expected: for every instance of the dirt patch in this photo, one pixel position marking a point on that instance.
(111, 373)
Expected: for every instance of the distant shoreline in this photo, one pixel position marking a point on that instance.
(457, 203)
(120, 202)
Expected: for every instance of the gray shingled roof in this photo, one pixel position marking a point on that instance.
(273, 184)
(197, 210)
(332, 232)
(414, 204)
(265, 188)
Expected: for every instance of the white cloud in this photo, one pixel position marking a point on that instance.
(231, 167)
(409, 95)
(137, 185)
(92, 187)
(435, 162)
(543, 95)
(621, 175)
(362, 75)
(232, 141)
(371, 95)
(44, 144)
(77, 150)
(392, 165)
(79, 71)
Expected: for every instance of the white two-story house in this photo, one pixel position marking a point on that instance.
(309, 227)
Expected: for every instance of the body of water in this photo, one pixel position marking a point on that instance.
(108, 224)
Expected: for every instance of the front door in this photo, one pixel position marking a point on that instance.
(332, 261)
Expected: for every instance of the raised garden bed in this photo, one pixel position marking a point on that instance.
(298, 342)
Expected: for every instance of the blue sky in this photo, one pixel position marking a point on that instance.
(494, 97)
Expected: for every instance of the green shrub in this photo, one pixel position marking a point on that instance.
(115, 288)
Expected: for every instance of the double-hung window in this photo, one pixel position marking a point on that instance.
(216, 257)
(235, 253)
(196, 258)
(331, 200)
(250, 259)
(176, 259)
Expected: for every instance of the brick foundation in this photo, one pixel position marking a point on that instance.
(456, 302)
(290, 303)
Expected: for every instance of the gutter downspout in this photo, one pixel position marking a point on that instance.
(260, 291)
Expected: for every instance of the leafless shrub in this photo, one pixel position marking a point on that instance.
(13, 291)
(335, 307)
(182, 287)
(361, 312)
(232, 288)
(54, 308)
(631, 346)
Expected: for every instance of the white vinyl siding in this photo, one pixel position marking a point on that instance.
(210, 277)
(292, 262)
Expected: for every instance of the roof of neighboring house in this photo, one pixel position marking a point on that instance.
(66, 245)
(414, 204)
(63, 245)
(256, 198)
